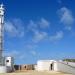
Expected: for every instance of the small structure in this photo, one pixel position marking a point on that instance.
(45, 65)
(27, 67)
(9, 62)
(24, 67)
(8, 65)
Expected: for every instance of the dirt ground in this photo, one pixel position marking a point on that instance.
(35, 73)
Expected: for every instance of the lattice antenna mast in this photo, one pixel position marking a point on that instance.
(1, 30)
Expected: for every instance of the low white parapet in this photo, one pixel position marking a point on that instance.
(3, 69)
(63, 67)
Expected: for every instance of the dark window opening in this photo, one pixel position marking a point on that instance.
(25, 67)
(7, 60)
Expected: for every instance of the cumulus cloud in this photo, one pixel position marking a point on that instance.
(33, 52)
(56, 37)
(14, 27)
(44, 23)
(31, 46)
(39, 36)
(16, 54)
(32, 26)
(66, 17)
(13, 53)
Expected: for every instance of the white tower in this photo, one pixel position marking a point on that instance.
(1, 32)
(4, 66)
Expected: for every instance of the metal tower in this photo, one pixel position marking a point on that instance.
(1, 32)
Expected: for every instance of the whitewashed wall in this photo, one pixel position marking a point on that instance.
(3, 69)
(10, 61)
(71, 63)
(59, 66)
(35, 67)
(43, 65)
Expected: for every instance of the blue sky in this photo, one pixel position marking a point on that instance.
(39, 29)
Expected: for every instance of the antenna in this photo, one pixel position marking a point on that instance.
(1, 32)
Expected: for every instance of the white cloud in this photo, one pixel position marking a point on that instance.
(33, 52)
(14, 28)
(9, 27)
(44, 23)
(39, 36)
(58, 36)
(31, 46)
(32, 26)
(22, 57)
(16, 54)
(66, 17)
(13, 53)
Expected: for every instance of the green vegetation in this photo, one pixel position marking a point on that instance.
(69, 60)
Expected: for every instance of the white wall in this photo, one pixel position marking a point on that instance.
(3, 69)
(59, 66)
(9, 61)
(35, 67)
(43, 65)
(71, 63)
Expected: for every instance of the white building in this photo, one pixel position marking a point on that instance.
(52, 65)
(9, 63)
(45, 65)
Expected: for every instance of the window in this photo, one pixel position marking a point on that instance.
(25, 67)
(7, 60)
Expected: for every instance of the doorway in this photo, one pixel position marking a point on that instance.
(51, 66)
(16, 67)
